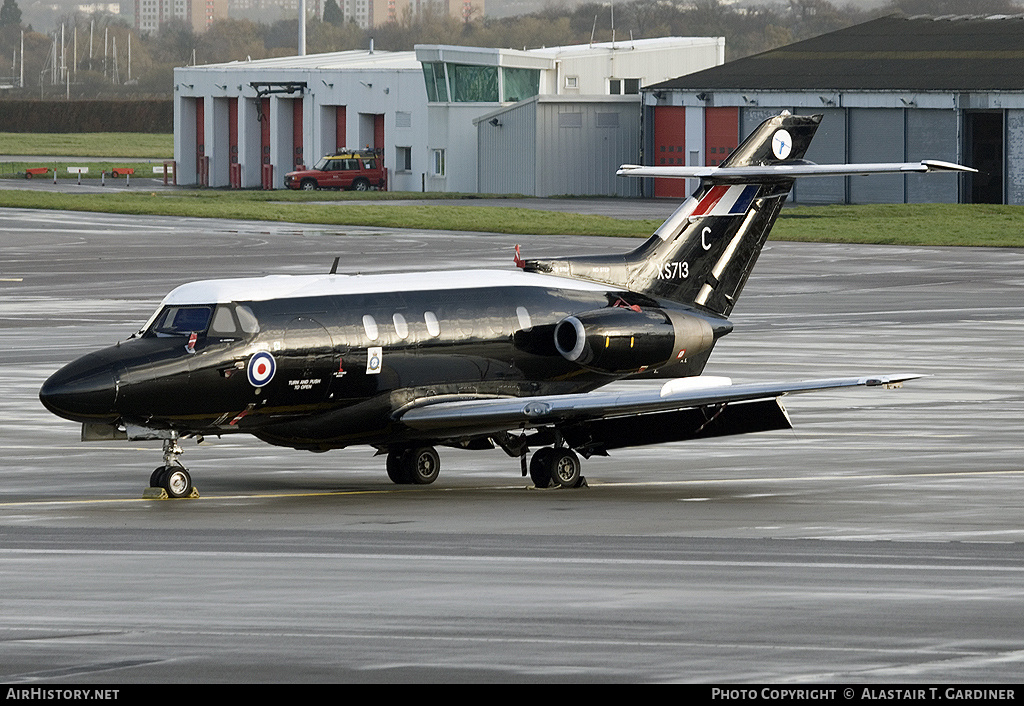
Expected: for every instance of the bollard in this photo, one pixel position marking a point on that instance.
(103, 178)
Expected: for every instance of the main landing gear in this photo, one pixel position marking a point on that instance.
(556, 467)
(172, 477)
(550, 467)
(413, 466)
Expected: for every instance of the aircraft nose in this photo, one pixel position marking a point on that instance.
(82, 391)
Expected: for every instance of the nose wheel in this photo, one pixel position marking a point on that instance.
(172, 477)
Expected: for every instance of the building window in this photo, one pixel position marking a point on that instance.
(519, 84)
(403, 159)
(437, 163)
(437, 87)
(474, 84)
(623, 86)
(572, 82)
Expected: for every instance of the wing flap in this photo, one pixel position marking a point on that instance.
(602, 435)
(484, 416)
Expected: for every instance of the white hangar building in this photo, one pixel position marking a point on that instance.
(432, 113)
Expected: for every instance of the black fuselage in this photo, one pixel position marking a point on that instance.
(341, 365)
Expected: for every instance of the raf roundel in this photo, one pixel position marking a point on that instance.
(261, 369)
(782, 144)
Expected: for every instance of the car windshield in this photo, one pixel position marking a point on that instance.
(322, 164)
(182, 320)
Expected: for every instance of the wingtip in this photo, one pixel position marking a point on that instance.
(885, 380)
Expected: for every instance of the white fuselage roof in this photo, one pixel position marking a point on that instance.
(223, 291)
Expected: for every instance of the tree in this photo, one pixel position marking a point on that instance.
(10, 14)
(333, 14)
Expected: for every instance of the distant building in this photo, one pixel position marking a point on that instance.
(893, 89)
(112, 8)
(583, 104)
(367, 13)
(151, 14)
(314, 8)
(438, 114)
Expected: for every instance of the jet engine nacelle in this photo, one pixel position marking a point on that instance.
(619, 340)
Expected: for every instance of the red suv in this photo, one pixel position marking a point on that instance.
(348, 170)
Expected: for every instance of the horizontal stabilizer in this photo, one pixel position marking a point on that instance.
(790, 170)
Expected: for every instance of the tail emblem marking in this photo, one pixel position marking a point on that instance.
(782, 144)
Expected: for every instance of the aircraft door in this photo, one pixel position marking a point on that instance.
(307, 363)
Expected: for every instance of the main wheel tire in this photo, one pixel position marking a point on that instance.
(156, 480)
(565, 468)
(396, 467)
(177, 482)
(422, 465)
(308, 185)
(361, 185)
(540, 467)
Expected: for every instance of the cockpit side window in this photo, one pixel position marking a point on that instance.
(233, 321)
(182, 320)
(223, 324)
(246, 319)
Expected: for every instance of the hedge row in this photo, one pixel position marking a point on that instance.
(62, 116)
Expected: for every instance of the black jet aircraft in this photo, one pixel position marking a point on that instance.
(470, 359)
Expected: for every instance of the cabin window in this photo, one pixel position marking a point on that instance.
(182, 320)
(430, 319)
(401, 326)
(525, 322)
(370, 326)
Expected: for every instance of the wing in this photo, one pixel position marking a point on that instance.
(680, 409)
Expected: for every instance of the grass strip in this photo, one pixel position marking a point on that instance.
(889, 224)
(905, 224)
(421, 217)
(136, 145)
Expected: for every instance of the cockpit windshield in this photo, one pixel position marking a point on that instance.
(219, 321)
(182, 320)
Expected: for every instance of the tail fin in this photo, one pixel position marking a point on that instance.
(703, 254)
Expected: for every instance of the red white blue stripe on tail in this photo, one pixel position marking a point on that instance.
(724, 200)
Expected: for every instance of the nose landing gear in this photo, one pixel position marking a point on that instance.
(172, 478)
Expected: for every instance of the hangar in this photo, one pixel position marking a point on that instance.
(894, 88)
(247, 123)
